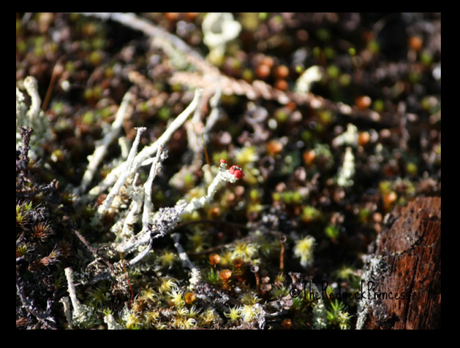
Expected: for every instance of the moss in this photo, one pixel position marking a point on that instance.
(288, 189)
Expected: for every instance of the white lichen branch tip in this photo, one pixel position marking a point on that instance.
(124, 174)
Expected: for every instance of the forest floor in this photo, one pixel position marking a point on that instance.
(325, 157)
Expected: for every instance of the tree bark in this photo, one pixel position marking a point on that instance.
(401, 284)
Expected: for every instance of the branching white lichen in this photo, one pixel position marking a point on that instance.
(139, 194)
(186, 263)
(148, 205)
(347, 171)
(67, 310)
(218, 29)
(144, 157)
(223, 176)
(31, 85)
(21, 108)
(163, 222)
(348, 138)
(101, 149)
(309, 76)
(154, 225)
(82, 315)
(104, 207)
(134, 210)
(33, 117)
(214, 115)
(167, 218)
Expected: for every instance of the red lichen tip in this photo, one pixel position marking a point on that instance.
(236, 171)
(223, 161)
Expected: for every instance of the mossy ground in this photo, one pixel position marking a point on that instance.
(386, 63)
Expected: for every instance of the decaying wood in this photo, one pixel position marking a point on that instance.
(402, 279)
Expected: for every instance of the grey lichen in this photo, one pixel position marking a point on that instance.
(31, 117)
(374, 272)
(347, 171)
(82, 315)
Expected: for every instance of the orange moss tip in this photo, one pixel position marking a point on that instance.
(214, 258)
(190, 297)
(287, 323)
(282, 85)
(415, 43)
(262, 71)
(274, 147)
(225, 274)
(214, 212)
(363, 102)
(282, 71)
(390, 197)
(268, 61)
(363, 138)
(309, 156)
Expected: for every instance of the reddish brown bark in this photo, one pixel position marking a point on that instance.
(407, 262)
